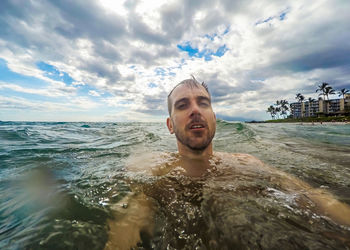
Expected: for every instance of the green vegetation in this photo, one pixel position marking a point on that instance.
(279, 109)
(313, 119)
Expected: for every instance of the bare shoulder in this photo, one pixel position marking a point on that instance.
(150, 163)
(247, 157)
(254, 164)
(236, 155)
(241, 158)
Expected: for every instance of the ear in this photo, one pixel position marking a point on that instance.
(214, 116)
(169, 124)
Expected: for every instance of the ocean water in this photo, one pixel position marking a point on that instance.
(59, 182)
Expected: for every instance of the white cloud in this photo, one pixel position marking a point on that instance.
(52, 91)
(93, 93)
(127, 50)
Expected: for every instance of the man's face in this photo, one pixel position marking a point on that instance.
(192, 118)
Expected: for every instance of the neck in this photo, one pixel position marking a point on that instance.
(195, 162)
(195, 154)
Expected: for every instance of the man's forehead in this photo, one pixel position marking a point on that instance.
(184, 91)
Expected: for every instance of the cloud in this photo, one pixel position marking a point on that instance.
(18, 103)
(129, 54)
(88, 20)
(93, 93)
(56, 91)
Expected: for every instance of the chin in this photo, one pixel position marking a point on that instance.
(199, 146)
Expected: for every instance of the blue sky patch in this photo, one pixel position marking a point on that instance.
(6, 75)
(211, 37)
(264, 21)
(226, 31)
(53, 73)
(221, 51)
(206, 54)
(188, 48)
(160, 71)
(165, 72)
(152, 85)
(281, 17)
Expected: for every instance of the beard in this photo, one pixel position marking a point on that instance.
(196, 141)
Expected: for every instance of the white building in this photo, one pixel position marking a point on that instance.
(317, 107)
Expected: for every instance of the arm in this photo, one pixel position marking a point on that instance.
(134, 219)
(134, 213)
(328, 205)
(324, 202)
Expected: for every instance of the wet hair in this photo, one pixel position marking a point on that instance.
(192, 83)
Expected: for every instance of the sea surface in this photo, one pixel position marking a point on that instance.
(59, 181)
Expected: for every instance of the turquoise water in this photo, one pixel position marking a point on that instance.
(58, 182)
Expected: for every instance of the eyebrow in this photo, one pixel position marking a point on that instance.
(181, 100)
(199, 98)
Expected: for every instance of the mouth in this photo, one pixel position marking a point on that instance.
(196, 126)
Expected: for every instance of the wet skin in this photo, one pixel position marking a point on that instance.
(192, 120)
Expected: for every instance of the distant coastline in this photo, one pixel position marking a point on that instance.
(328, 120)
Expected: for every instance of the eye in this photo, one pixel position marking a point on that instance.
(204, 103)
(181, 106)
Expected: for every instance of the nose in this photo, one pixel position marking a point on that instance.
(195, 110)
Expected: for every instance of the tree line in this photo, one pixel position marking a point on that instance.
(280, 108)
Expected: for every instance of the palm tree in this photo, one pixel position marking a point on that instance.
(272, 111)
(300, 97)
(284, 107)
(284, 111)
(329, 91)
(278, 110)
(310, 99)
(343, 92)
(322, 88)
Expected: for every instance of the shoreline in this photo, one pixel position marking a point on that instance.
(304, 123)
(315, 123)
(310, 120)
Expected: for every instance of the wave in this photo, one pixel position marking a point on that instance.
(19, 135)
(238, 131)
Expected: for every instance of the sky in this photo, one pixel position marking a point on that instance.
(116, 61)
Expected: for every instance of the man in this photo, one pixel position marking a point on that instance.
(194, 123)
(192, 120)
